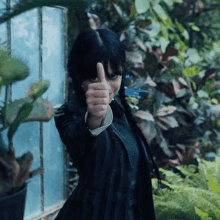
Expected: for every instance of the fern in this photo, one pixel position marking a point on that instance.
(203, 215)
(174, 205)
(173, 210)
(198, 194)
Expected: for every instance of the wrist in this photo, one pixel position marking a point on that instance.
(93, 122)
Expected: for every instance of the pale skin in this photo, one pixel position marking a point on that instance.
(99, 94)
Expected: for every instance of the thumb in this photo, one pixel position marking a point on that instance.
(101, 72)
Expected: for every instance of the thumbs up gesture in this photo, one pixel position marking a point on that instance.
(97, 98)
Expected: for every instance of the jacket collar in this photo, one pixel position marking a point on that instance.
(117, 108)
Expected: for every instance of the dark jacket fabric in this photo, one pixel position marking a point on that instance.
(113, 167)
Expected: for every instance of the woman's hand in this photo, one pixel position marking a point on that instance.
(97, 99)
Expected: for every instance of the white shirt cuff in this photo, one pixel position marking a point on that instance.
(105, 123)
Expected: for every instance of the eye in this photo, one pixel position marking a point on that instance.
(94, 79)
(114, 76)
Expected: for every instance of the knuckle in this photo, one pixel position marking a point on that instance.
(105, 86)
(103, 107)
(88, 101)
(90, 109)
(88, 93)
(105, 101)
(90, 86)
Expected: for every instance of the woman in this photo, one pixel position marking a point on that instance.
(100, 134)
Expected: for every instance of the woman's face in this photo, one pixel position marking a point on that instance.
(114, 83)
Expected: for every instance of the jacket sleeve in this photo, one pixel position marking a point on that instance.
(74, 133)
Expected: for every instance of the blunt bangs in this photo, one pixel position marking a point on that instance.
(91, 47)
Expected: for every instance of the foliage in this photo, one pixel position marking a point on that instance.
(167, 83)
(172, 69)
(15, 171)
(201, 19)
(194, 196)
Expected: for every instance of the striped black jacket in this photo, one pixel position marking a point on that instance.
(105, 190)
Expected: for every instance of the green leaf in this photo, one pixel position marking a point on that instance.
(202, 94)
(193, 55)
(160, 12)
(186, 34)
(169, 3)
(218, 122)
(172, 122)
(23, 113)
(193, 85)
(179, 26)
(133, 11)
(155, 2)
(213, 186)
(216, 45)
(177, 1)
(180, 58)
(201, 73)
(42, 110)
(181, 46)
(13, 70)
(163, 44)
(190, 71)
(195, 28)
(192, 101)
(181, 93)
(4, 54)
(164, 32)
(142, 6)
(201, 214)
(214, 101)
(165, 19)
(182, 30)
(38, 89)
(193, 104)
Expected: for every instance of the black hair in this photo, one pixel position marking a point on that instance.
(102, 45)
(89, 48)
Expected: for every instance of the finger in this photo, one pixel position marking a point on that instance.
(36, 172)
(101, 72)
(97, 86)
(97, 101)
(97, 94)
(97, 108)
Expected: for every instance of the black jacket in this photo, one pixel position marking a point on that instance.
(103, 163)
